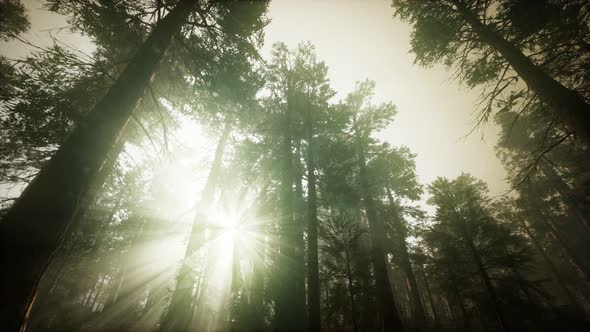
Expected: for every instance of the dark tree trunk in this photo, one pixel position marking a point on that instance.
(571, 198)
(351, 291)
(313, 276)
(464, 314)
(387, 307)
(430, 298)
(576, 261)
(568, 105)
(416, 301)
(35, 225)
(290, 297)
(483, 273)
(179, 314)
(520, 280)
(53, 273)
(554, 270)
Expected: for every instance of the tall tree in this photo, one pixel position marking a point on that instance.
(65, 179)
(463, 215)
(52, 197)
(365, 119)
(455, 30)
(393, 174)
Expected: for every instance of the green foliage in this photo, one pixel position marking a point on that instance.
(113, 272)
(13, 19)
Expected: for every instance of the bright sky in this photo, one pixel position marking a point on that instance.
(359, 39)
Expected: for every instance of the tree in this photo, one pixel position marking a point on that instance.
(466, 227)
(393, 171)
(454, 31)
(13, 20)
(365, 119)
(342, 237)
(54, 194)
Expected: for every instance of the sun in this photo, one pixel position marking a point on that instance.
(233, 228)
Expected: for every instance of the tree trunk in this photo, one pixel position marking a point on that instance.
(575, 259)
(457, 294)
(179, 314)
(351, 290)
(300, 213)
(416, 301)
(572, 199)
(430, 299)
(257, 290)
(34, 226)
(95, 298)
(313, 277)
(520, 280)
(568, 105)
(290, 305)
(256, 298)
(483, 273)
(387, 306)
(554, 270)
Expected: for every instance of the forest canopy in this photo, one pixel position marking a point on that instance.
(174, 168)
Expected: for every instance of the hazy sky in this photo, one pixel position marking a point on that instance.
(359, 39)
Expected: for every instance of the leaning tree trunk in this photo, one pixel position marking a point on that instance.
(430, 298)
(313, 276)
(179, 313)
(35, 225)
(54, 272)
(568, 105)
(387, 306)
(553, 268)
(416, 301)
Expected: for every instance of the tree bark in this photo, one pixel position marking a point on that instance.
(568, 105)
(34, 226)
